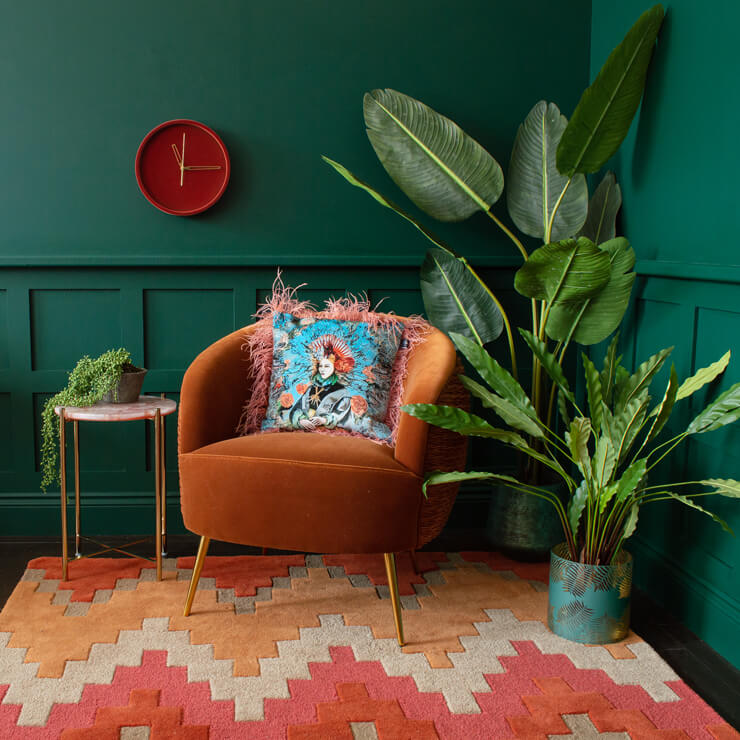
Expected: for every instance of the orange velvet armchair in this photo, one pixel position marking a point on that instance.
(313, 492)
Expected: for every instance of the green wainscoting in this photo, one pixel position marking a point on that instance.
(683, 558)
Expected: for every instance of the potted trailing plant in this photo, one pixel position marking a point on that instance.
(110, 378)
(579, 282)
(613, 444)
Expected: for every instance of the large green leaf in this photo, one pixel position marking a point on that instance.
(548, 362)
(576, 506)
(629, 386)
(703, 376)
(563, 408)
(624, 426)
(603, 463)
(534, 184)
(457, 420)
(441, 169)
(606, 109)
(354, 180)
(577, 437)
(455, 299)
(629, 422)
(689, 502)
(601, 221)
(663, 411)
(723, 486)
(568, 270)
(501, 380)
(630, 523)
(725, 410)
(438, 477)
(631, 479)
(508, 412)
(605, 493)
(594, 391)
(597, 316)
(609, 369)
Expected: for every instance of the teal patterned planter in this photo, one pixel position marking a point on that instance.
(589, 603)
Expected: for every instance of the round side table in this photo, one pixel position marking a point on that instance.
(147, 407)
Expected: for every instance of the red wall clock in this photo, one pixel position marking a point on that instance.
(182, 167)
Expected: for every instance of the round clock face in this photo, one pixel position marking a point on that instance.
(182, 167)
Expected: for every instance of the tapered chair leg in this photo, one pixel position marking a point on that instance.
(390, 570)
(197, 568)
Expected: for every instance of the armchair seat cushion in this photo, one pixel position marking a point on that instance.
(288, 490)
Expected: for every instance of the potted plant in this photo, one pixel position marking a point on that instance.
(614, 443)
(579, 282)
(110, 378)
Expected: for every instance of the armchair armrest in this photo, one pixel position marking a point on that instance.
(214, 390)
(430, 366)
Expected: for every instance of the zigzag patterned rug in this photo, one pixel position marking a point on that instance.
(303, 647)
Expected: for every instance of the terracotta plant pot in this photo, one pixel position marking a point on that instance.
(589, 603)
(129, 386)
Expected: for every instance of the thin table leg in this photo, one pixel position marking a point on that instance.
(63, 486)
(158, 489)
(75, 425)
(164, 487)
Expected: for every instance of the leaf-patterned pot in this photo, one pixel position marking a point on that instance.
(589, 603)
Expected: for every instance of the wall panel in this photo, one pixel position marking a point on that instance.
(683, 558)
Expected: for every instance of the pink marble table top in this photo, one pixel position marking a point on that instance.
(145, 408)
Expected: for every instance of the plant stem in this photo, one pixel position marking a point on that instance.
(678, 439)
(509, 233)
(548, 233)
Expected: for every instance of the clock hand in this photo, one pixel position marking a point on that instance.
(182, 160)
(202, 167)
(177, 155)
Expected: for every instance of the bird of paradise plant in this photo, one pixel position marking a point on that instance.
(579, 282)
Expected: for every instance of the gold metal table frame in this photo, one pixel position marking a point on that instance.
(147, 407)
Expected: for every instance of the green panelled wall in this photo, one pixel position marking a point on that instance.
(87, 264)
(677, 175)
(82, 84)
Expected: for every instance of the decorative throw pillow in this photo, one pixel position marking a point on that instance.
(330, 374)
(265, 398)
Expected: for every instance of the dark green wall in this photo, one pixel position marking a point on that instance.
(88, 264)
(677, 171)
(82, 83)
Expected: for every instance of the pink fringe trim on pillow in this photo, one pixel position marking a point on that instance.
(351, 308)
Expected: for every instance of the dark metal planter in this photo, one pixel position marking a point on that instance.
(521, 526)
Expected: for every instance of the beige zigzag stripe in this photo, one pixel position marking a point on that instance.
(457, 684)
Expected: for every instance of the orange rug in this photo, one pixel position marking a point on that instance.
(304, 647)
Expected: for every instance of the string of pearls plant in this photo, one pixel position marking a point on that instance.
(88, 382)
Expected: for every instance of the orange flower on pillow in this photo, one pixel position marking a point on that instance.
(358, 405)
(286, 400)
(301, 388)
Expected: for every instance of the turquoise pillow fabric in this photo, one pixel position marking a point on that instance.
(330, 374)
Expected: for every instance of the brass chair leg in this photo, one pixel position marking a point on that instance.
(199, 560)
(390, 570)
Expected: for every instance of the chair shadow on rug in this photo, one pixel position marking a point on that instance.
(314, 492)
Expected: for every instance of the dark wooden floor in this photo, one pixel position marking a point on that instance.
(704, 670)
